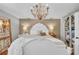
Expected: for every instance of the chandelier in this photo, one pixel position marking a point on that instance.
(40, 11)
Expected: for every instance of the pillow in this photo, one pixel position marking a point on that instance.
(52, 34)
(42, 33)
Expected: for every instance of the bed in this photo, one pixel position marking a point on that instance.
(38, 42)
(37, 45)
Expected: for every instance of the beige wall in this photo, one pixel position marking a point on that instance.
(46, 22)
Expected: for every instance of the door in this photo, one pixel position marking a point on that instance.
(76, 33)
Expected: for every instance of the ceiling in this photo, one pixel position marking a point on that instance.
(22, 10)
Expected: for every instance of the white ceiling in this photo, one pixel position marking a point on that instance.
(22, 10)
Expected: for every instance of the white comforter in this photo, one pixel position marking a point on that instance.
(34, 44)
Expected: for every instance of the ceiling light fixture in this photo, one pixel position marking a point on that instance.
(40, 11)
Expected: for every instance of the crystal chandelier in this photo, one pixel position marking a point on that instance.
(40, 11)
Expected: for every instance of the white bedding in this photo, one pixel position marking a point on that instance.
(37, 45)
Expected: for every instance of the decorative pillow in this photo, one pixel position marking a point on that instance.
(42, 33)
(52, 34)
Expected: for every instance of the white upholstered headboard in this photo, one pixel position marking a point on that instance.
(37, 28)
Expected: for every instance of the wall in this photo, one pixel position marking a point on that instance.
(62, 30)
(46, 22)
(14, 23)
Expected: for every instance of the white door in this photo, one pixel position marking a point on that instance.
(76, 33)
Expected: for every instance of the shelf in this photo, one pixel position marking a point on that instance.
(70, 29)
(3, 38)
(3, 50)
